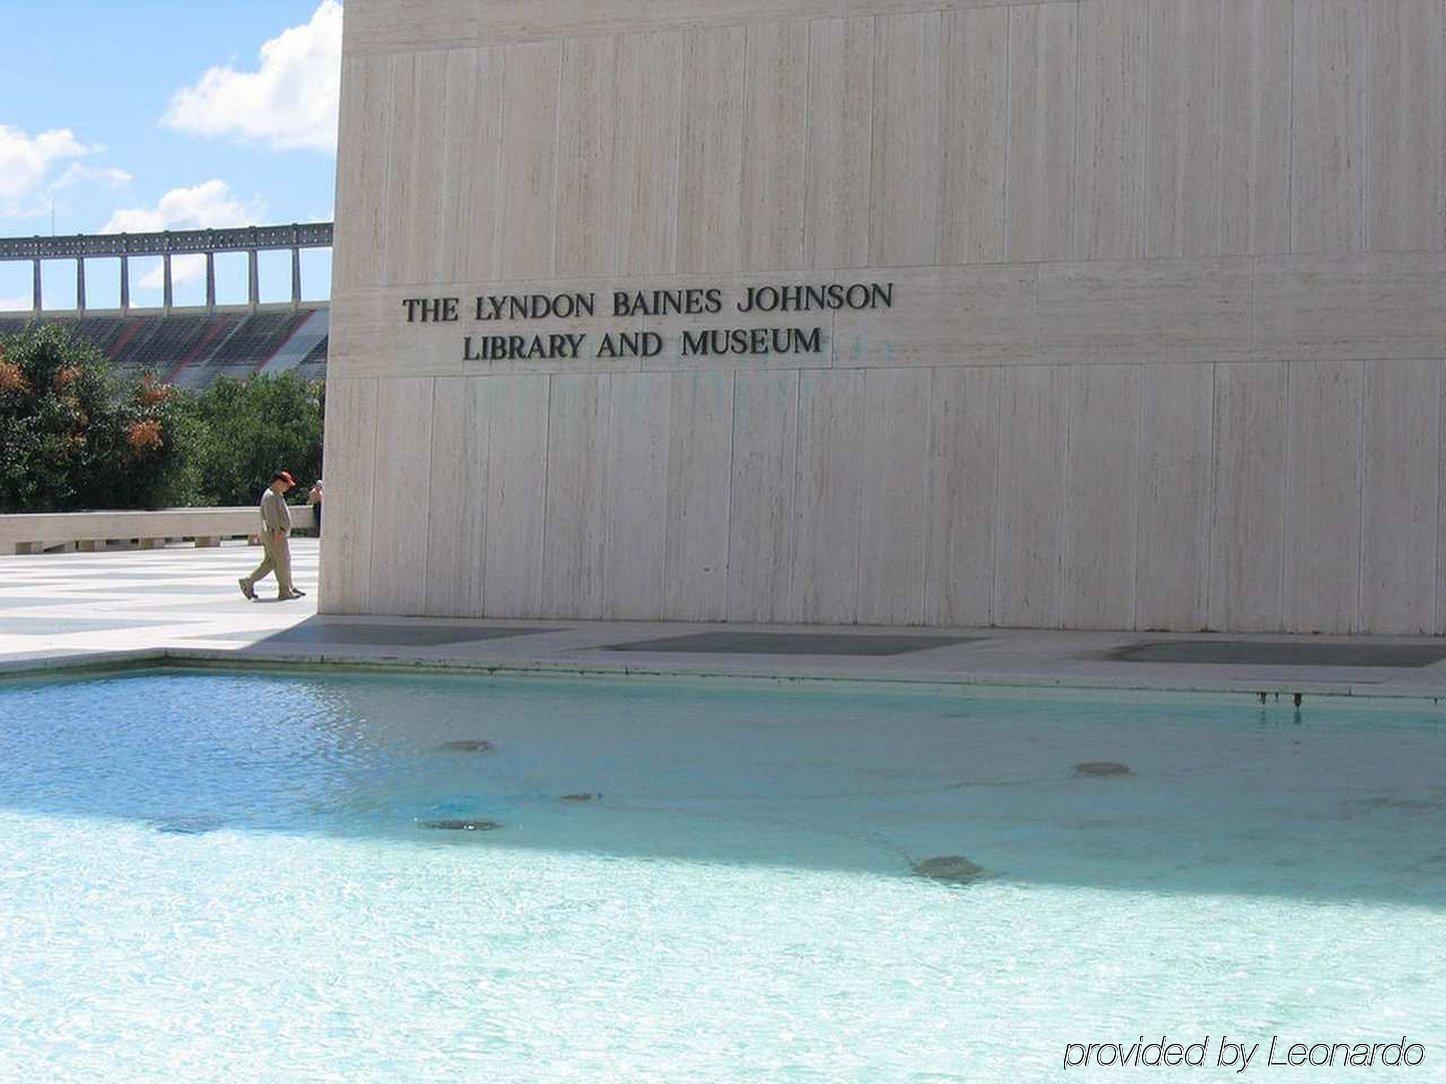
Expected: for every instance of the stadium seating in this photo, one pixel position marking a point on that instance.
(194, 349)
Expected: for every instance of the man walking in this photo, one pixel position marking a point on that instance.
(275, 529)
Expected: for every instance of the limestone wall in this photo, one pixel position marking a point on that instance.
(1165, 348)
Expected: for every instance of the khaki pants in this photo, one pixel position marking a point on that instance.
(277, 559)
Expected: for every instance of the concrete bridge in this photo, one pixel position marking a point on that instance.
(190, 345)
(251, 240)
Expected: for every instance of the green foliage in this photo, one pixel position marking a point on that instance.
(247, 430)
(73, 436)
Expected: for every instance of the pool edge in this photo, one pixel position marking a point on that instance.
(198, 658)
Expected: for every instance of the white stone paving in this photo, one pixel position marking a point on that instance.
(182, 603)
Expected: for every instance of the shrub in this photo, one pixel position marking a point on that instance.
(73, 436)
(246, 430)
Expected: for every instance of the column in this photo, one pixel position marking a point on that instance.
(35, 290)
(295, 278)
(166, 292)
(80, 285)
(125, 283)
(253, 280)
(210, 282)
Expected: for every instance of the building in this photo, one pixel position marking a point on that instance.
(187, 345)
(1075, 313)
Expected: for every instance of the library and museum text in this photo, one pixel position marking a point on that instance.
(503, 334)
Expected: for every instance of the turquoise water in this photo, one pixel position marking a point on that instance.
(228, 876)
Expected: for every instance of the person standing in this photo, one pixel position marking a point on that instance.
(275, 530)
(314, 498)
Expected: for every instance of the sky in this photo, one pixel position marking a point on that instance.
(132, 115)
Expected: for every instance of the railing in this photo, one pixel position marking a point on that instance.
(37, 532)
(248, 239)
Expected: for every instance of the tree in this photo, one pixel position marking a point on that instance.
(73, 436)
(249, 429)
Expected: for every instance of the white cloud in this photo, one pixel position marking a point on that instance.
(79, 172)
(209, 205)
(288, 103)
(18, 303)
(28, 165)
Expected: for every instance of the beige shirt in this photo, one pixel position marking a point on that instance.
(275, 516)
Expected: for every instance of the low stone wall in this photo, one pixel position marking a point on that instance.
(86, 530)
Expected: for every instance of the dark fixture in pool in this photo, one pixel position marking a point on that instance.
(1102, 769)
(581, 796)
(467, 825)
(469, 745)
(951, 869)
(187, 826)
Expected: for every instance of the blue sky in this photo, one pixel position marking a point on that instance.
(152, 114)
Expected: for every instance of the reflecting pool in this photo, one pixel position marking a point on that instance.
(289, 876)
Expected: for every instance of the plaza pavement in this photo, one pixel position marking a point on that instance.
(181, 605)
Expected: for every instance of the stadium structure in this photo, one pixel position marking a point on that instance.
(188, 345)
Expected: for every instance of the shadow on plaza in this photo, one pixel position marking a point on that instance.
(327, 632)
